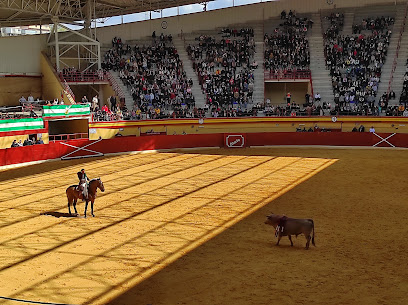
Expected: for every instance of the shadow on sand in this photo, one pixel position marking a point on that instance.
(59, 214)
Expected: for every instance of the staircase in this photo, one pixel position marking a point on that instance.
(388, 64)
(320, 75)
(198, 94)
(348, 23)
(120, 89)
(398, 79)
(259, 83)
(68, 92)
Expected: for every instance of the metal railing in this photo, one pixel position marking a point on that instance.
(394, 64)
(87, 76)
(68, 92)
(68, 136)
(288, 75)
(115, 85)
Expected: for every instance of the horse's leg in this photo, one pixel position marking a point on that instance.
(75, 202)
(290, 238)
(86, 206)
(69, 206)
(92, 202)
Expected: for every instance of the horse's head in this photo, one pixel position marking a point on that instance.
(100, 185)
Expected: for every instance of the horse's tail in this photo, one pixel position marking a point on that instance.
(313, 235)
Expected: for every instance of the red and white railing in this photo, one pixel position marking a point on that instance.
(115, 85)
(68, 92)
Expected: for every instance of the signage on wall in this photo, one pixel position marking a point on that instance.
(234, 141)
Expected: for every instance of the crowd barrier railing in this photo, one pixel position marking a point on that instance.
(288, 75)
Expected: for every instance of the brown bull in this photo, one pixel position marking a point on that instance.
(285, 226)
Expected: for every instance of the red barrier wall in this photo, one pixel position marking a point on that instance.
(123, 144)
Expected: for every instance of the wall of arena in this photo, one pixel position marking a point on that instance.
(56, 150)
(126, 136)
(21, 54)
(13, 87)
(108, 130)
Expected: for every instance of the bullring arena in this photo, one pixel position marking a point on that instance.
(187, 227)
(199, 119)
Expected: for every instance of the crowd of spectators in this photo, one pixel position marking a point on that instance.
(355, 64)
(154, 75)
(373, 24)
(224, 66)
(287, 48)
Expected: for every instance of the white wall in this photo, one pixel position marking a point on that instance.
(21, 54)
(224, 17)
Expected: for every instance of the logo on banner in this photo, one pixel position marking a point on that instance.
(235, 141)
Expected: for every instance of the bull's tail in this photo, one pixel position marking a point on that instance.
(313, 235)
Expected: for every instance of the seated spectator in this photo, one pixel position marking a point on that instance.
(14, 144)
(27, 142)
(22, 100)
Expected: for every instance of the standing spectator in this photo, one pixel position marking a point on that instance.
(95, 103)
(288, 97)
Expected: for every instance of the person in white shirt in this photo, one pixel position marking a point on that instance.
(30, 99)
(372, 129)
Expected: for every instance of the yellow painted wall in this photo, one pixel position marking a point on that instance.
(248, 125)
(5, 142)
(51, 84)
(276, 91)
(107, 91)
(12, 88)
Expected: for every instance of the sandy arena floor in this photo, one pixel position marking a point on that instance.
(188, 228)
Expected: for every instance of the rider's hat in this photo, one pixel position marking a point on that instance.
(82, 170)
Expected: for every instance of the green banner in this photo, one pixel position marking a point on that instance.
(21, 124)
(66, 110)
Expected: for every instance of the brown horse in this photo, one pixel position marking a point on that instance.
(73, 194)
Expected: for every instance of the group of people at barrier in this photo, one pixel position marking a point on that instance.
(27, 142)
(224, 66)
(355, 63)
(287, 47)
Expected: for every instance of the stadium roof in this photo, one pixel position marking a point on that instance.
(29, 12)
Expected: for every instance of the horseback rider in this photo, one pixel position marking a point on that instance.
(83, 183)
